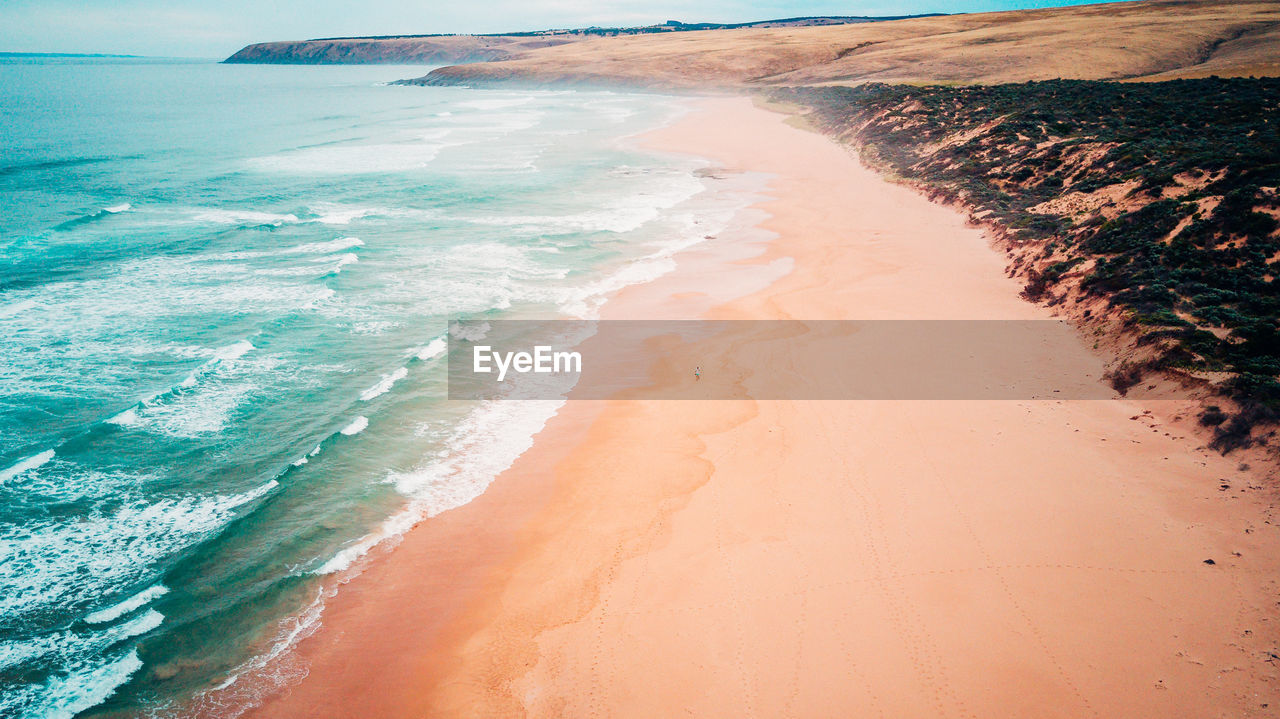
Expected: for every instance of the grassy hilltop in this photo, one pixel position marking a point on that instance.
(1154, 39)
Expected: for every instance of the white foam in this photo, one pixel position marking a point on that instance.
(471, 331)
(309, 248)
(302, 271)
(266, 672)
(127, 418)
(585, 302)
(218, 356)
(374, 327)
(434, 348)
(141, 625)
(53, 561)
(618, 215)
(384, 385)
(65, 697)
(234, 351)
(321, 248)
(116, 209)
(478, 263)
(394, 526)
(343, 261)
(351, 159)
(320, 298)
(197, 413)
(192, 414)
(10, 309)
(356, 427)
(236, 217)
(75, 483)
(224, 381)
(94, 311)
(118, 610)
(504, 124)
(483, 445)
(13, 653)
(89, 681)
(339, 215)
(307, 457)
(25, 465)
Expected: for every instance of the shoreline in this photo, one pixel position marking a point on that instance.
(775, 558)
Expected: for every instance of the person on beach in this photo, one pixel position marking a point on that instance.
(697, 373)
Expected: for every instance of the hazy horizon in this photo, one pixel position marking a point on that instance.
(187, 29)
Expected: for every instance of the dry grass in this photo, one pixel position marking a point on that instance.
(1155, 39)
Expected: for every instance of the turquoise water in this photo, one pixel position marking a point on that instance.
(223, 291)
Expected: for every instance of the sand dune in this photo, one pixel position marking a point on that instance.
(1160, 39)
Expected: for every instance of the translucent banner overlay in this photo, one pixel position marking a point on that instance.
(773, 359)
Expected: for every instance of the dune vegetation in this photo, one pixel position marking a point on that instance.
(1159, 199)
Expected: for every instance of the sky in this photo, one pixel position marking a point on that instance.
(217, 28)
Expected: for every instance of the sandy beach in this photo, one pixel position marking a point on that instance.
(825, 558)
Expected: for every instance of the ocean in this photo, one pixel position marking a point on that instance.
(223, 297)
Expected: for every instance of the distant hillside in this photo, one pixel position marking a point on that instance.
(1148, 211)
(409, 50)
(438, 49)
(1156, 39)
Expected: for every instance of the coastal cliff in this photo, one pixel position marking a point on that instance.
(408, 50)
